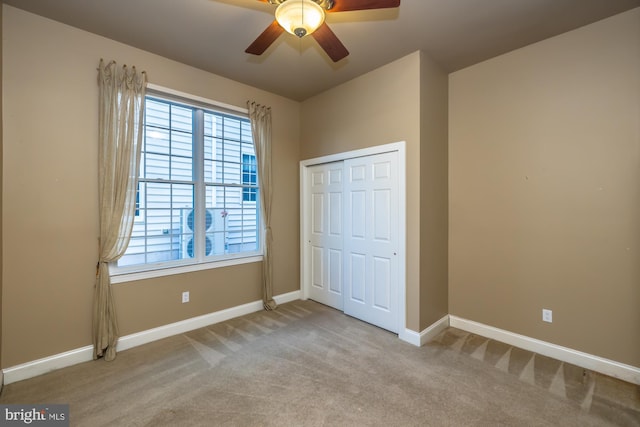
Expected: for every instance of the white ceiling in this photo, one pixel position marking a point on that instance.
(213, 34)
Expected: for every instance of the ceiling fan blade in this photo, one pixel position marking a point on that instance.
(265, 39)
(348, 5)
(330, 43)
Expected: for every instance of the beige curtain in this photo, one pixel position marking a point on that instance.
(121, 110)
(260, 116)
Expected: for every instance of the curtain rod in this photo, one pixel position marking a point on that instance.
(199, 99)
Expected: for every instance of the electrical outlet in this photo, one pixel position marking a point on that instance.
(185, 297)
(547, 315)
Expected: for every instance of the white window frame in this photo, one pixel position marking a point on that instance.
(147, 271)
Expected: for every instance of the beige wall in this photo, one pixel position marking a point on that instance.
(434, 237)
(545, 190)
(402, 101)
(50, 193)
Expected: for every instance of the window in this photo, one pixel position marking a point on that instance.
(197, 194)
(249, 177)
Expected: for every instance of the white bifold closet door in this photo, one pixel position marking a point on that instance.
(326, 235)
(354, 237)
(371, 239)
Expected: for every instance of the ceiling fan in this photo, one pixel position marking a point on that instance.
(306, 17)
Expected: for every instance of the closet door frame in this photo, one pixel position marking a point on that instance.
(305, 217)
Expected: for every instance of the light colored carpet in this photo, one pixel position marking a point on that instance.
(302, 365)
(612, 399)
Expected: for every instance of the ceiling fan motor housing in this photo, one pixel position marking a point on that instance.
(325, 4)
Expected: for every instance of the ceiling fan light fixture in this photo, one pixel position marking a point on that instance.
(300, 17)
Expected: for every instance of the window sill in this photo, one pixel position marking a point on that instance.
(169, 271)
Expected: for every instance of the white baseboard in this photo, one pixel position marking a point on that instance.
(42, 366)
(285, 298)
(420, 339)
(584, 360)
(410, 336)
(47, 364)
(150, 335)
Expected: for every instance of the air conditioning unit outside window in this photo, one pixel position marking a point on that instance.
(214, 241)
